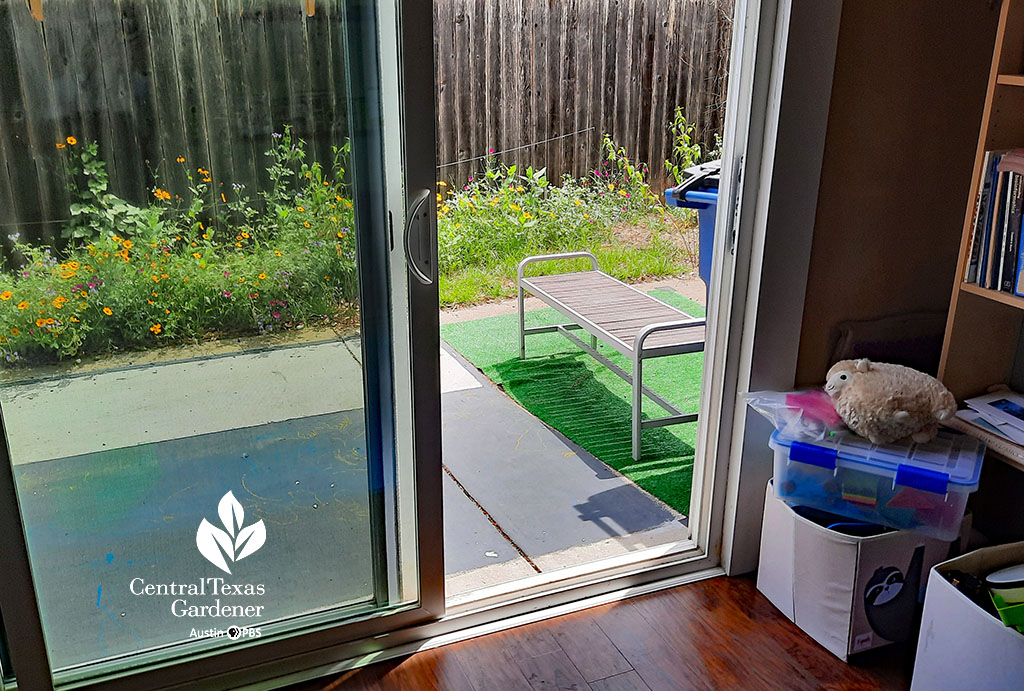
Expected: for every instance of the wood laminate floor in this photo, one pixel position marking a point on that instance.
(716, 634)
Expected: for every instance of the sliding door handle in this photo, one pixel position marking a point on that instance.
(418, 239)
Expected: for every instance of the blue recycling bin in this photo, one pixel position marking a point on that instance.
(700, 192)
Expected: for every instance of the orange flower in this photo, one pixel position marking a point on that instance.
(40, 322)
(22, 305)
(161, 194)
(107, 311)
(181, 159)
(71, 141)
(156, 329)
(6, 295)
(61, 145)
(15, 331)
(127, 244)
(74, 319)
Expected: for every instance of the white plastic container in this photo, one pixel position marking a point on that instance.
(920, 487)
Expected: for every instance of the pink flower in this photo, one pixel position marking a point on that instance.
(471, 179)
(275, 315)
(226, 293)
(227, 273)
(490, 151)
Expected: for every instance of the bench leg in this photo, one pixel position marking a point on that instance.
(637, 403)
(522, 326)
(593, 342)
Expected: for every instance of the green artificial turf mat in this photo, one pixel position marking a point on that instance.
(582, 399)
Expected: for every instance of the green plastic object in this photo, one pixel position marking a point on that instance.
(1011, 614)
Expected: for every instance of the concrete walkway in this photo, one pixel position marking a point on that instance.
(116, 469)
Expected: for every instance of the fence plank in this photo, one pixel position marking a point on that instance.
(153, 80)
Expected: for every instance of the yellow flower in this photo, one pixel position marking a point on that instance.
(156, 279)
(306, 223)
(611, 185)
(40, 322)
(277, 253)
(74, 319)
(223, 198)
(84, 294)
(15, 331)
(22, 305)
(61, 145)
(341, 233)
(161, 194)
(127, 245)
(261, 276)
(577, 202)
(327, 278)
(238, 244)
(181, 159)
(6, 295)
(206, 236)
(519, 189)
(348, 204)
(337, 197)
(107, 311)
(156, 328)
(71, 141)
(196, 255)
(245, 235)
(300, 209)
(442, 183)
(150, 302)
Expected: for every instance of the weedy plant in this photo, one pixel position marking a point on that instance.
(186, 266)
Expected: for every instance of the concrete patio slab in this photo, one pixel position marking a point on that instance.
(68, 416)
(546, 493)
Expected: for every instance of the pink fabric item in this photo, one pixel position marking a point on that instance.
(816, 405)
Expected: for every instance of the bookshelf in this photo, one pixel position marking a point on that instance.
(983, 330)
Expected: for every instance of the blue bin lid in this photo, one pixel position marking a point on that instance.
(951, 458)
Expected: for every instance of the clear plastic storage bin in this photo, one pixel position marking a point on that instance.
(921, 487)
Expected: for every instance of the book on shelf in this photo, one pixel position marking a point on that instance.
(978, 221)
(995, 255)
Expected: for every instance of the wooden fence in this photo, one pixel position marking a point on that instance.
(516, 72)
(211, 80)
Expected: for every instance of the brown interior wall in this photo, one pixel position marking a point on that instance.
(907, 97)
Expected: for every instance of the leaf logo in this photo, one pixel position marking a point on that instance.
(235, 542)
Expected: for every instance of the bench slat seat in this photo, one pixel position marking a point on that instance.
(619, 315)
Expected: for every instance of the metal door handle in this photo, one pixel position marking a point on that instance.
(418, 250)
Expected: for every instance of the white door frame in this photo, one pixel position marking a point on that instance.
(784, 74)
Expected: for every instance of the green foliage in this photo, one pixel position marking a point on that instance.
(497, 218)
(187, 266)
(686, 152)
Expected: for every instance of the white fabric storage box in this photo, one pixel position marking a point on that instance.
(962, 646)
(923, 487)
(848, 593)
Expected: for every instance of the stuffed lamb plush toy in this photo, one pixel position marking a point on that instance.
(886, 403)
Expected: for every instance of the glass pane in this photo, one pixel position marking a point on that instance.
(182, 344)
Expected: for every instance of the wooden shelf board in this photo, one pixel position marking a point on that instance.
(1008, 460)
(1010, 79)
(996, 295)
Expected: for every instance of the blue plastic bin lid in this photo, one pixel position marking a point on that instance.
(949, 459)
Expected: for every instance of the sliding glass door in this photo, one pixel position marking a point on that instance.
(218, 326)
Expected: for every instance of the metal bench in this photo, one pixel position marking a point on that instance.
(630, 321)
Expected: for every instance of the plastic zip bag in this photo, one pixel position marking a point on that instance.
(805, 415)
